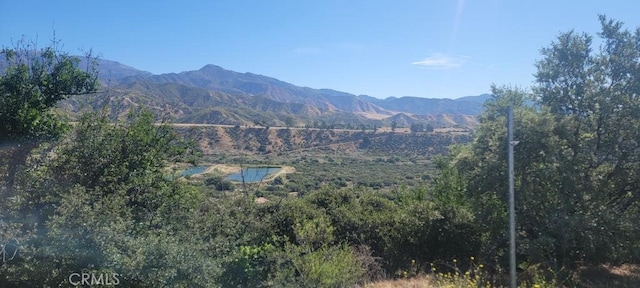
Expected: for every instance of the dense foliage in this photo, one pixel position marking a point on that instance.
(99, 202)
(34, 81)
(576, 171)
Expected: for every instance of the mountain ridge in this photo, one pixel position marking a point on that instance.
(213, 95)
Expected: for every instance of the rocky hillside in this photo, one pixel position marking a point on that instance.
(223, 139)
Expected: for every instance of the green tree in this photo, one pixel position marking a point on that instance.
(417, 127)
(289, 121)
(483, 165)
(30, 87)
(594, 98)
(219, 183)
(576, 164)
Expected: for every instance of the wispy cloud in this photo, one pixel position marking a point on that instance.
(442, 61)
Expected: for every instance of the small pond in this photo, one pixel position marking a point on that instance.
(193, 170)
(253, 174)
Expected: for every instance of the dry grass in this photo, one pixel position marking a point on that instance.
(625, 275)
(223, 169)
(261, 200)
(374, 115)
(423, 281)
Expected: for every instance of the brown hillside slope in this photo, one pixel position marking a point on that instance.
(262, 140)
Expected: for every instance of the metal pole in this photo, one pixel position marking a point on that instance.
(512, 212)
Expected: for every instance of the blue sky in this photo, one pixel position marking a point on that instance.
(428, 48)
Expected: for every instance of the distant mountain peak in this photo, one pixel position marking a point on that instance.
(211, 67)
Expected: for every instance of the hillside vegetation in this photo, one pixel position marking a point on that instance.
(265, 140)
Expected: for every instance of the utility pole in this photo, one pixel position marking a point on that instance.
(512, 212)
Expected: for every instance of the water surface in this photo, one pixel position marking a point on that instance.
(253, 174)
(193, 170)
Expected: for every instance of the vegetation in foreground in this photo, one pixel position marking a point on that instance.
(96, 200)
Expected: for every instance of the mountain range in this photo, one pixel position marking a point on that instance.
(214, 95)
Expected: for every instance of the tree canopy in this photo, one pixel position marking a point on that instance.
(577, 161)
(30, 87)
(34, 82)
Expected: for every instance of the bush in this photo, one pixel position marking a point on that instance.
(278, 181)
(335, 266)
(219, 183)
(249, 267)
(313, 259)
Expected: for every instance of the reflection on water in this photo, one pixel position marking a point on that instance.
(253, 174)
